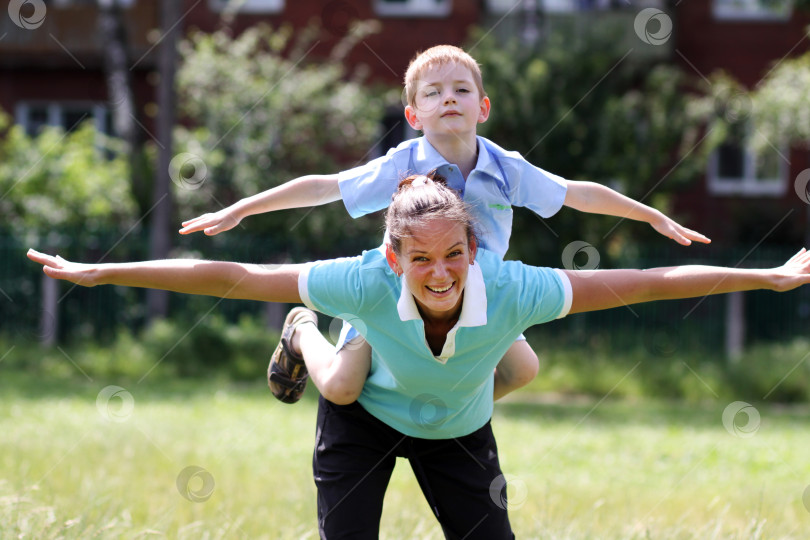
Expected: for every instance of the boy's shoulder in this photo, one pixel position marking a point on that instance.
(500, 152)
(405, 146)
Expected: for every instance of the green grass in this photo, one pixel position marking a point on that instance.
(580, 468)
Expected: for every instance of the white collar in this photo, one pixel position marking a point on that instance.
(473, 308)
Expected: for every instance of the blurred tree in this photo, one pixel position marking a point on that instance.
(780, 104)
(780, 110)
(121, 96)
(57, 182)
(160, 235)
(264, 112)
(586, 109)
(56, 186)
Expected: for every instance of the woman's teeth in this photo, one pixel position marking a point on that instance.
(438, 290)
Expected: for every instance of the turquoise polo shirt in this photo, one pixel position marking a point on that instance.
(501, 179)
(408, 388)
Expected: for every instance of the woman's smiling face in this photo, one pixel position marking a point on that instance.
(434, 260)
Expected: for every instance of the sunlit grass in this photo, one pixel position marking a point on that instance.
(579, 469)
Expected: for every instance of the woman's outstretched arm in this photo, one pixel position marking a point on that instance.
(594, 290)
(267, 283)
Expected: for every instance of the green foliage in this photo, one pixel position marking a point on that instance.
(266, 113)
(657, 366)
(781, 107)
(166, 349)
(57, 181)
(777, 372)
(240, 351)
(773, 372)
(585, 110)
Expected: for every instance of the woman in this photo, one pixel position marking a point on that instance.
(438, 314)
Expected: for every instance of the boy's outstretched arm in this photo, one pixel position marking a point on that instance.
(223, 279)
(598, 199)
(311, 190)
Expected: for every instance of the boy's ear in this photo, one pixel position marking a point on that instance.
(391, 257)
(483, 114)
(413, 120)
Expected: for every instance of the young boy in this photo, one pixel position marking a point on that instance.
(446, 101)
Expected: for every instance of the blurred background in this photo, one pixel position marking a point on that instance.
(120, 119)
(126, 413)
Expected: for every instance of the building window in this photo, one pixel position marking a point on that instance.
(736, 169)
(565, 6)
(92, 3)
(767, 10)
(33, 116)
(247, 6)
(410, 8)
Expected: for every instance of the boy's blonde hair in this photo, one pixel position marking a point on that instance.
(439, 56)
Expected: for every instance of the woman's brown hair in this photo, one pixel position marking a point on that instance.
(420, 198)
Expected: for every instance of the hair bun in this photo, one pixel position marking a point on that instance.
(419, 180)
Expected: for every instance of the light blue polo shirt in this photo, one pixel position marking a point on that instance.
(408, 388)
(501, 179)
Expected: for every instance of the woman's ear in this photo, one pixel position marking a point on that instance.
(473, 249)
(391, 257)
(413, 120)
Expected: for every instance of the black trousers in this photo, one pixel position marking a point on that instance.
(355, 455)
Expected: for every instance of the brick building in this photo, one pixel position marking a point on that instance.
(51, 68)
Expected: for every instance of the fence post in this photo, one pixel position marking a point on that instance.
(735, 325)
(49, 316)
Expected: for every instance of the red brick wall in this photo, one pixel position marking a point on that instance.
(386, 53)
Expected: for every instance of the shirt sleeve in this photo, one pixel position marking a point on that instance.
(368, 188)
(332, 287)
(546, 294)
(531, 187)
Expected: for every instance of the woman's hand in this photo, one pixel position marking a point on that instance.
(87, 275)
(794, 273)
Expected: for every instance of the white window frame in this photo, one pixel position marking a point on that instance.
(749, 185)
(501, 7)
(414, 8)
(126, 4)
(247, 6)
(56, 112)
(749, 10)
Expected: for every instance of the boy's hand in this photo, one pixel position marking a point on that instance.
(212, 224)
(677, 232)
(58, 268)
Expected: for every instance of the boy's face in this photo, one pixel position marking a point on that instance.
(447, 102)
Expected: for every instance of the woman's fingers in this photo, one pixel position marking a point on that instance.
(41, 258)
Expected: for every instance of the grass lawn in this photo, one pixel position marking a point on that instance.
(218, 460)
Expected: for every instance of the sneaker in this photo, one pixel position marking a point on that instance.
(287, 374)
